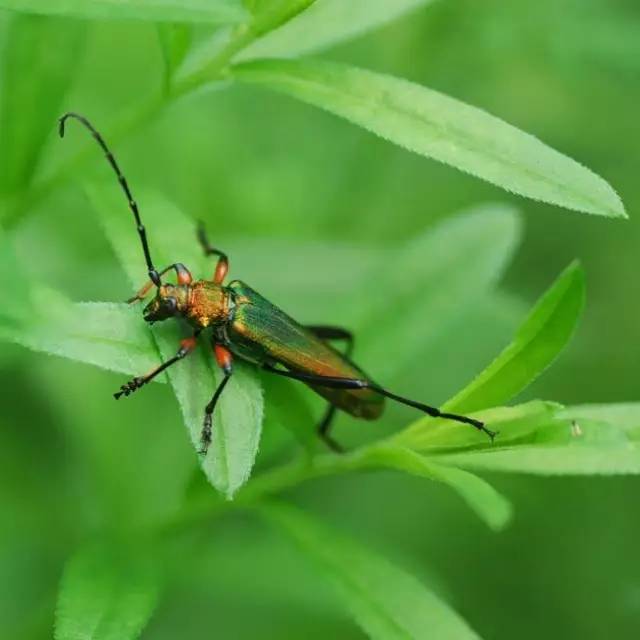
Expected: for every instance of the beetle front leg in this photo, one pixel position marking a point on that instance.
(225, 362)
(222, 266)
(186, 347)
(183, 276)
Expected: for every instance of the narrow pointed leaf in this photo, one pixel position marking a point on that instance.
(204, 11)
(435, 125)
(327, 23)
(625, 415)
(106, 335)
(15, 289)
(545, 439)
(384, 600)
(540, 339)
(175, 40)
(238, 417)
(439, 277)
(38, 67)
(537, 343)
(107, 593)
(270, 14)
(522, 423)
(492, 507)
(570, 459)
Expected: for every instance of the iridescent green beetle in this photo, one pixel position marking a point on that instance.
(243, 324)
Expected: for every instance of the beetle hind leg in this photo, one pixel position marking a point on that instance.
(324, 426)
(353, 383)
(330, 333)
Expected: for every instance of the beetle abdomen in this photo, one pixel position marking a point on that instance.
(261, 332)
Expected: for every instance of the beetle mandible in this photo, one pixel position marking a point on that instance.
(245, 325)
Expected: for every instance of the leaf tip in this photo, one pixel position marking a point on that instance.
(501, 515)
(616, 206)
(609, 203)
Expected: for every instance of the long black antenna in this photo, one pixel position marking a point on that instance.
(153, 274)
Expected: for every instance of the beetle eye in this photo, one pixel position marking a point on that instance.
(171, 304)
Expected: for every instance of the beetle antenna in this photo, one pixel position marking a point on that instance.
(153, 274)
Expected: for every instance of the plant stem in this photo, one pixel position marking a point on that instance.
(270, 483)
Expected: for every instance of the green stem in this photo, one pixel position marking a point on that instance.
(268, 484)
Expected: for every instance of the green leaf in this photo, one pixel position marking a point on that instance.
(625, 416)
(384, 600)
(208, 61)
(38, 67)
(441, 275)
(106, 335)
(440, 127)
(518, 424)
(539, 340)
(107, 593)
(238, 417)
(175, 40)
(575, 458)
(327, 23)
(14, 288)
(207, 11)
(270, 14)
(536, 438)
(492, 507)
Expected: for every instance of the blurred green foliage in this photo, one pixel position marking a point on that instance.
(329, 222)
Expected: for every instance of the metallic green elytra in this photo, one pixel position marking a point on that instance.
(261, 332)
(245, 325)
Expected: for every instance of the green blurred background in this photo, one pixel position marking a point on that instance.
(260, 167)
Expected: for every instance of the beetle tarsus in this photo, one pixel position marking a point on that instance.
(332, 444)
(128, 388)
(480, 426)
(205, 435)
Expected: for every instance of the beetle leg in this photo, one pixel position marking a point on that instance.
(186, 347)
(327, 333)
(183, 274)
(225, 362)
(222, 266)
(356, 383)
(324, 427)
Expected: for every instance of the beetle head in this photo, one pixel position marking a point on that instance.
(163, 306)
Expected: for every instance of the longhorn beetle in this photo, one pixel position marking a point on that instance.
(247, 326)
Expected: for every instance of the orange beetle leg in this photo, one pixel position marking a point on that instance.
(221, 271)
(223, 357)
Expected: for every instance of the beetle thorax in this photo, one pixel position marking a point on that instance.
(208, 304)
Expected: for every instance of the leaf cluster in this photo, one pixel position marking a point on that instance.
(110, 588)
